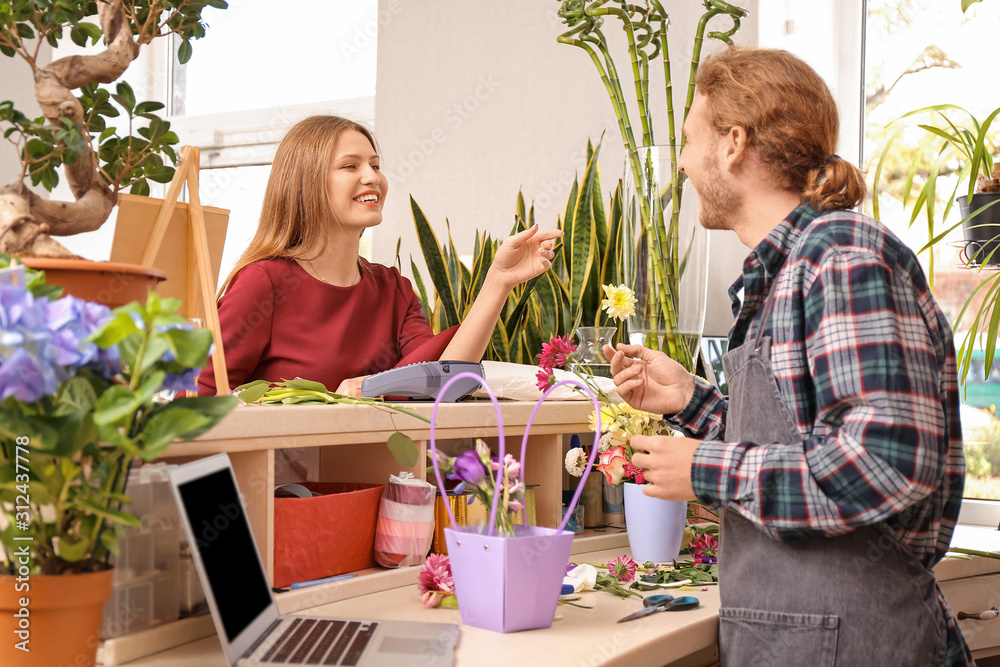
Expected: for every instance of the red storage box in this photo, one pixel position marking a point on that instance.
(327, 534)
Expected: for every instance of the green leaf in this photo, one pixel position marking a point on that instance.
(184, 52)
(160, 174)
(108, 513)
(114, 331)
(109, 540)
(968, 3)
(581, 237)
(213, 407)
(93, 31)
(78, 37)
(14, 424)
(147, 107)
(166, 426)
(252, 391)
(72, 548)
(125, 96)
(140, 188)
(190, 347)
(309, 385)
(156, 347)
(403, 449)
(421, 290)
(292, 400)
(115, 404)
(436, 265)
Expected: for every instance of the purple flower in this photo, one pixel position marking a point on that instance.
(29, 360)
(186, 381)
(43, 343)
(26, 378)
(71, 321)
(468, 468)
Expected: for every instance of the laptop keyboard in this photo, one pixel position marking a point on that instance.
(310, 641)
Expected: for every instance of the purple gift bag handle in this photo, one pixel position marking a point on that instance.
(524, 446)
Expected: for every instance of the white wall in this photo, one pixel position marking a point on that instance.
(19, 87)
(475, 100)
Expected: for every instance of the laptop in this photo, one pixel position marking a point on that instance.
(242, 604)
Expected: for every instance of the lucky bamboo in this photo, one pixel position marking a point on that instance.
(585, 19)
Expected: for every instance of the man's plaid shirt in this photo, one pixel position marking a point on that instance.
(865, 363)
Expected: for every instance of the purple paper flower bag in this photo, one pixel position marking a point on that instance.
(503, 583)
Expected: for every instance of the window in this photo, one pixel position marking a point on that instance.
(921, 53)
(254, 75)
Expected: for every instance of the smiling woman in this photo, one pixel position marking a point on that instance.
(302, 302)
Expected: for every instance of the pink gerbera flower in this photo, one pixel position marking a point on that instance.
(555, 351)
(546, 378)
(434, 579)
(705, 546)
(622, 568)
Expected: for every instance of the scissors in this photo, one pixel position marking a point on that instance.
(655, 603)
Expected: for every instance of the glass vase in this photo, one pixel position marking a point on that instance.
(590, 351)
(665, 259)
(614, 504)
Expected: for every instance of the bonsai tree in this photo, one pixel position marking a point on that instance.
(97, 158)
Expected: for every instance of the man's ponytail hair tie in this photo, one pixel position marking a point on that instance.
(832, 158)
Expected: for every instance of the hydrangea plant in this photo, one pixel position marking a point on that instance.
(81, 397)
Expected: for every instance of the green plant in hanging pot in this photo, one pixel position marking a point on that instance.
(79, 402)
(962, 171)
(665, 263)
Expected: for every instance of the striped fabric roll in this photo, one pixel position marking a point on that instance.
(405, 522)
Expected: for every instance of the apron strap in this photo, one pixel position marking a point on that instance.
(765, 315)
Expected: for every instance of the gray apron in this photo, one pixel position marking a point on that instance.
(855, 599)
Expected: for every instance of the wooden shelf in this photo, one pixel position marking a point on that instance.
(353, 439)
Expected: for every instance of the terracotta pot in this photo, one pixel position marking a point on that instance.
(63, 618)
(110, 283)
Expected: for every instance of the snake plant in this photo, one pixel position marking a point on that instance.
(552, 304)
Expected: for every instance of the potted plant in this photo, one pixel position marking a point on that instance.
(79, 388)
(962, 146)
(102, 140)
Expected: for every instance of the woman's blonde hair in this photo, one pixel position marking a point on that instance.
(790, 118)
(296, 215)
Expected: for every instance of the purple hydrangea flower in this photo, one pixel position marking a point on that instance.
(71, 321)
(29, 360)
(186, 381)
(42, 343)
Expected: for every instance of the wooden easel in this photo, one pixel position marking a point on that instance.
(198, 257)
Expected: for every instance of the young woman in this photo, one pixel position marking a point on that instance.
(301, 302)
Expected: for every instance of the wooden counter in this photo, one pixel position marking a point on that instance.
(577, 637)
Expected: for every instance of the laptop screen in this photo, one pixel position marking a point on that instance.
(227, 549)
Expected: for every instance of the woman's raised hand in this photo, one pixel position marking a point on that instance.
(524, 256)
(649, 380)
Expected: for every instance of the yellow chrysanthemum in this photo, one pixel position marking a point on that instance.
(620, 301)
(608, 420)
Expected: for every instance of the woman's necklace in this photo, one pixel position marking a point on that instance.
(357, 274)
